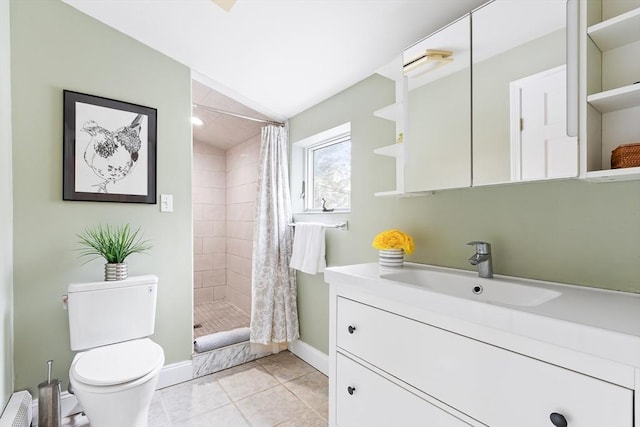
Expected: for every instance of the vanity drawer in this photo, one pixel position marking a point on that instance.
(364, 398)
(493, 385)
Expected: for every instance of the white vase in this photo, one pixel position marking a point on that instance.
(391, 257)
(115, 271)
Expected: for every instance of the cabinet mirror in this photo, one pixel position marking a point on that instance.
(438, 121)
(519, 93)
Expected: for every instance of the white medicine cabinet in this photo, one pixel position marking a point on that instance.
(504, 107)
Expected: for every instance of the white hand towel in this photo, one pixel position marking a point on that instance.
(309, 248)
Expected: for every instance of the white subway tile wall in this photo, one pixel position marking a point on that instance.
(242, 176)
(209, 216)
(224, 193)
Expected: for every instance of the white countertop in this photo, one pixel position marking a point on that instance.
(597, 322)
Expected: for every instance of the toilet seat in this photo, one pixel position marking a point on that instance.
(117, 363)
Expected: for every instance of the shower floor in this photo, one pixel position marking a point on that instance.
(218, 316)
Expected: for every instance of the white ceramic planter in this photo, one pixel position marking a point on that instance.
(391, 257)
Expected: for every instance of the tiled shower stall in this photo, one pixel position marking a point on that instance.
(224, 192)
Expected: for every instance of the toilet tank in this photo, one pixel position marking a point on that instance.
(102, 313)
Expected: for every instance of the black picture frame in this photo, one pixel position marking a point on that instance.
(109, 150)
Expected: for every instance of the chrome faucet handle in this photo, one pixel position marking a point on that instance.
(483, 248)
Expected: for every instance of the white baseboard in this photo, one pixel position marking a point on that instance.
(172, 374)
(311, 355)
(175, 373)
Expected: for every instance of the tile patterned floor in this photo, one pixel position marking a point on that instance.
(278, 390)
(217, 316)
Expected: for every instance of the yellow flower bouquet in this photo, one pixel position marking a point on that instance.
(394, 239)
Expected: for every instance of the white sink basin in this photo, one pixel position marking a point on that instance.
(495, 290)
(598, 322)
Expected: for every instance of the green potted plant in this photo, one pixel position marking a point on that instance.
(114, 244)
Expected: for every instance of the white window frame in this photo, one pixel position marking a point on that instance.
(302, 167)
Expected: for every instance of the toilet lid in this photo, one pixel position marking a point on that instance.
(118, 363)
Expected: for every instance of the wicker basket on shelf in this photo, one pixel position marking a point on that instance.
(625, 156)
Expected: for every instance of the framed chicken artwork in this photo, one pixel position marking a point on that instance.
(109, 150)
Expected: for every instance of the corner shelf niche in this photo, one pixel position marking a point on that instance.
(397, 152)
(393, 150)
(612, 112)
(391, 112)
(395, 113)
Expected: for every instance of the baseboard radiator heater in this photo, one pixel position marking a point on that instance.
(18, 412)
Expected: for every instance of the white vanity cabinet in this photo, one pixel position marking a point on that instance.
(366, 398)
(393, 362)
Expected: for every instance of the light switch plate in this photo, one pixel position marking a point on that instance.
(166, 203)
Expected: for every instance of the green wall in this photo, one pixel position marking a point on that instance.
(55, 47)
(565, 231)
(6, 221)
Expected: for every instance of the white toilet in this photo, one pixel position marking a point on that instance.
(116, 372)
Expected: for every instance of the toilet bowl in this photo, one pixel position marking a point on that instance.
(115, 383)
(116, 369)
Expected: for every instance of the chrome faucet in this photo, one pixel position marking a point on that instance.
(482, 259)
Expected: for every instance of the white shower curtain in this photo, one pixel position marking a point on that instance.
(274, 311)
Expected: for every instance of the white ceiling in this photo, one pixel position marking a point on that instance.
(278, 57)
(221, 130)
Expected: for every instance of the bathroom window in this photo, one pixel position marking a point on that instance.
(326, 170)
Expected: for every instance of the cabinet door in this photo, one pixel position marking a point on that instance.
(438, 123)
(490, 384)
(364, 398)
(519, 113)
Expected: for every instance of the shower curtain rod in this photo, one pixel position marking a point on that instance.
(240, 116)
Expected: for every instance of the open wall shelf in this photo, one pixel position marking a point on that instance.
(617, 31)
(616, 99)
(611, 52)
